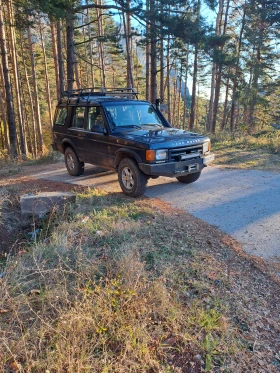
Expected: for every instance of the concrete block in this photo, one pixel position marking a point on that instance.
(38, 205)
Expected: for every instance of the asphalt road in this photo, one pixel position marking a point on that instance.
(242, 203)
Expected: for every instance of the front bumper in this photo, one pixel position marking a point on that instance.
(174, 169)
(207, 159)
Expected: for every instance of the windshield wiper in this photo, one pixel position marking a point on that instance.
(128, 126)
(152, 124)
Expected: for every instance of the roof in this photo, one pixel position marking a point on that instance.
(89, 95)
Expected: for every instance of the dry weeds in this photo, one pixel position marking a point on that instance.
(117, 285)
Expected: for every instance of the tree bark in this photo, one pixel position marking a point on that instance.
(193, 102)
(195, 68)
(180, 94)
(48, 95)
(60, 59)
(8, 90)
(90, 51)
(32, 140)
(3, 111)
(148, 53)
(55, 59)
(224, 120)
(128, 44)
(17, 80)
(101, 45)
(236, 70)
(153, 52)
(219, 68)
(185, 89)
(36, 93)
(70, 52)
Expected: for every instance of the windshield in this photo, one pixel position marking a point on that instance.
(132, 115)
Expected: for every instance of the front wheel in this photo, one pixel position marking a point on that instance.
(132, 180)
(191, 178)
(74, 166)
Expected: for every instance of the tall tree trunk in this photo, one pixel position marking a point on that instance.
(153, 52)
(32, 140)
(161, 84)
(128, 43)
(193, 102)
(3, 110)
(101, 45)
(86, 53)
(90, 51)
(70, 52)
(254, 88)
(216, 79)
(185, 89)
(55, 59)
(195, 68)
(236, 71)
(76, 71)
(60, 59)
(219, 68)
(36, 94)
(174, 100)
(16, 73)
(224, 120)
(167, 84)
(30, 144)
(8, 90)
(180, 95)
(148, 52)
(212, 95)
(48, 94)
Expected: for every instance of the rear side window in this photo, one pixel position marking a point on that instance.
(61, 116)
(78, 118)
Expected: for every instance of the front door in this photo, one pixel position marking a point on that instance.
(96, 137)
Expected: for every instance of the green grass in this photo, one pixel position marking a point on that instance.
(258, 151)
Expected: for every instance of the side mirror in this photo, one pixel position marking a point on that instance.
(158, 100)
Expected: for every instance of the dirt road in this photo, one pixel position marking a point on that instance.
(242, 203)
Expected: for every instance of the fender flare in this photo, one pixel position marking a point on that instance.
(66, 142)
(131, 153)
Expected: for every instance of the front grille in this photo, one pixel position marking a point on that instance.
(181, 154)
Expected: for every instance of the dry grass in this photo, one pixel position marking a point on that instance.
(121, 285)
(133, 286)
(259, 151)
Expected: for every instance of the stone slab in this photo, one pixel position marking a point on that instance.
(39, 205)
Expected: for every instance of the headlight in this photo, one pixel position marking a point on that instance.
(156, 155)
(206, 147)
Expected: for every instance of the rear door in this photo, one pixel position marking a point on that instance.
(76, 131)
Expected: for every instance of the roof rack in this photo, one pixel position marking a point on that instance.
(101, 91)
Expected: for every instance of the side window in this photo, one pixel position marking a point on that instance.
(78, 117)
(95, 118)
(61, 116)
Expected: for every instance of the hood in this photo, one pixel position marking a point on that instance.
(172, 137)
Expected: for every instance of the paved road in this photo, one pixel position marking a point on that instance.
(242, 203)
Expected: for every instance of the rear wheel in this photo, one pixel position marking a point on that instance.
(132, 180)
(74, 166)
(191, 178)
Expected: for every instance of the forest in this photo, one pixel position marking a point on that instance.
(214, 64)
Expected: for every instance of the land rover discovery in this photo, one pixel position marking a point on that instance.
(116, 131)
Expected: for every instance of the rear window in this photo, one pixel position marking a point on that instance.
(61, 116)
